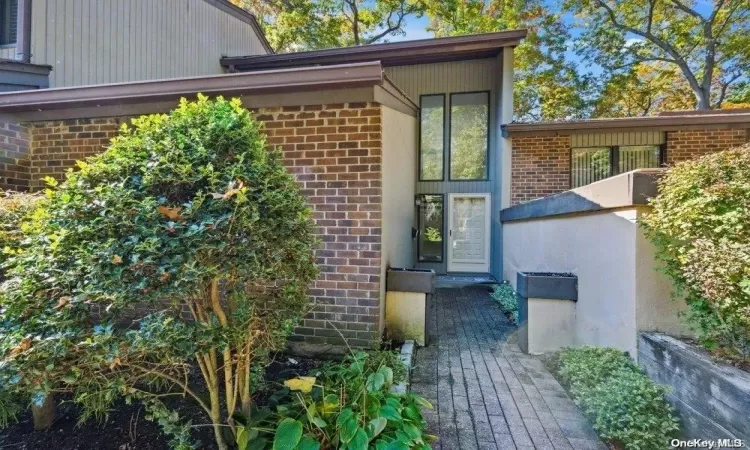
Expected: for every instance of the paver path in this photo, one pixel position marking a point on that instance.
(486, 393)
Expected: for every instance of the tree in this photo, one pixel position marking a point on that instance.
(711, 49)
(185, 247)
(547, 85)
(646, 89)
(294, 25)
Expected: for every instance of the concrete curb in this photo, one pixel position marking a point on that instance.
(407, 357)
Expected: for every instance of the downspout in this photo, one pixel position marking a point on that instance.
(23, 44)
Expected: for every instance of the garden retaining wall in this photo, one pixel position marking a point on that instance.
(712, 399)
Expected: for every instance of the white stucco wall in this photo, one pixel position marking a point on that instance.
(619, 291)
(399, 168)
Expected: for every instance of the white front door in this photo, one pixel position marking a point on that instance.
(469, 233)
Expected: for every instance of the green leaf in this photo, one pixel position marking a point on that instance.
(242, 438)
(376, 426)
(412, 431)
(258, 444)
(387, 374)
(308, 443)
(375, 382)
(344, 416)
(288, 434)
(359, 442)
(348, 430)
(390, 413)
(319, 422)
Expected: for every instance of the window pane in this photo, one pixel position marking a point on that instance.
(589, 165)
(8, 21)
(469, 117)
(432, 125)
(430, 246)
(639, 157)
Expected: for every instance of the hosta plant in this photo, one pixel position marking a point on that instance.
(164, 266)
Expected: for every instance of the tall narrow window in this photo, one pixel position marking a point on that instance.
(431, 229)
(8, 22)
(431, 132)
(469, 136)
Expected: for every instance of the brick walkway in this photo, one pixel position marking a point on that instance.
(486, 393)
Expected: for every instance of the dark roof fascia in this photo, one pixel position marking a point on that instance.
(273, 81)
(621, 124)
(20, 66)
(390, 54)
(245, 16)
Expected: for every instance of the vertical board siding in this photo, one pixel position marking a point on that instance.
(446, 78)
(624, 138)
(111, 41)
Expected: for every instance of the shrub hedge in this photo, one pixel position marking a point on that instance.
(700, 225)
(624, 405)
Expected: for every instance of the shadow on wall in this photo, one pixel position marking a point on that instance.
(593, 233)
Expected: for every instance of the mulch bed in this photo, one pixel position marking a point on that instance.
(126, 428)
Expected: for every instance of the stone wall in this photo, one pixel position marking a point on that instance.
(712, 399)
(541, 163)
(333, 150)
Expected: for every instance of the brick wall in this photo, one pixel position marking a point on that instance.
(14, 156)
(57, 145)
(687, 144)
(335, 152)
(540, 167)
(541, 164)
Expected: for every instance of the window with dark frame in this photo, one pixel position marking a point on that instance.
(469, 135)
(431, 228)
(8, 22)
(591, 164)
(431, 137)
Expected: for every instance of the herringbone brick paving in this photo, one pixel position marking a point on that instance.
(486, 393)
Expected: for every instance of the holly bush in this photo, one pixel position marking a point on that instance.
(186, 247)
(700, 225)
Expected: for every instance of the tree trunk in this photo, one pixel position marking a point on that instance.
(44, 415)
(704, 100)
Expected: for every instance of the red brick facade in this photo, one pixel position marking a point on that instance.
(334, 151)
(541, 163)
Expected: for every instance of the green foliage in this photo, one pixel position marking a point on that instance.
(507, 299)
(708, 47)
(625, 406)
(185, 212)
(547, 85)
(700, 225)
(16, 208)
(347, 405)
(432, 234)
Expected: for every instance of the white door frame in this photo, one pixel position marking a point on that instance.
(469, 265)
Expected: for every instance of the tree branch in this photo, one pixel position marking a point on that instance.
(687, 10)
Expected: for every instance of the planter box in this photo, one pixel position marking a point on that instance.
(410, 280)
(712, 398)
(560, 286)
(546, 311)
(407, 303)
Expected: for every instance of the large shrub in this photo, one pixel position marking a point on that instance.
(623, 404)
(700, 225)
(507, 299)
(185, 244)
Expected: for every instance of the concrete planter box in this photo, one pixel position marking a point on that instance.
(560, 286)
(407, 302)
(711, 398)
(546, 311)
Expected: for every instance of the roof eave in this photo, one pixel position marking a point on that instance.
(390, 54)
(620, 124)
(304, 79)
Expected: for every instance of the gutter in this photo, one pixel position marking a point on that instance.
(264, 82)
(629, 123)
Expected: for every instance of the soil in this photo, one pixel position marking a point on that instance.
(126, 427)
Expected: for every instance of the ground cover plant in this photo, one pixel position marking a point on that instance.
(344, 405)
(507, 299)
(625, 407)
(169, 265)
(700, 226)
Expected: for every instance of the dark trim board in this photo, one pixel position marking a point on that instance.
(422, 51)
(556, 286)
